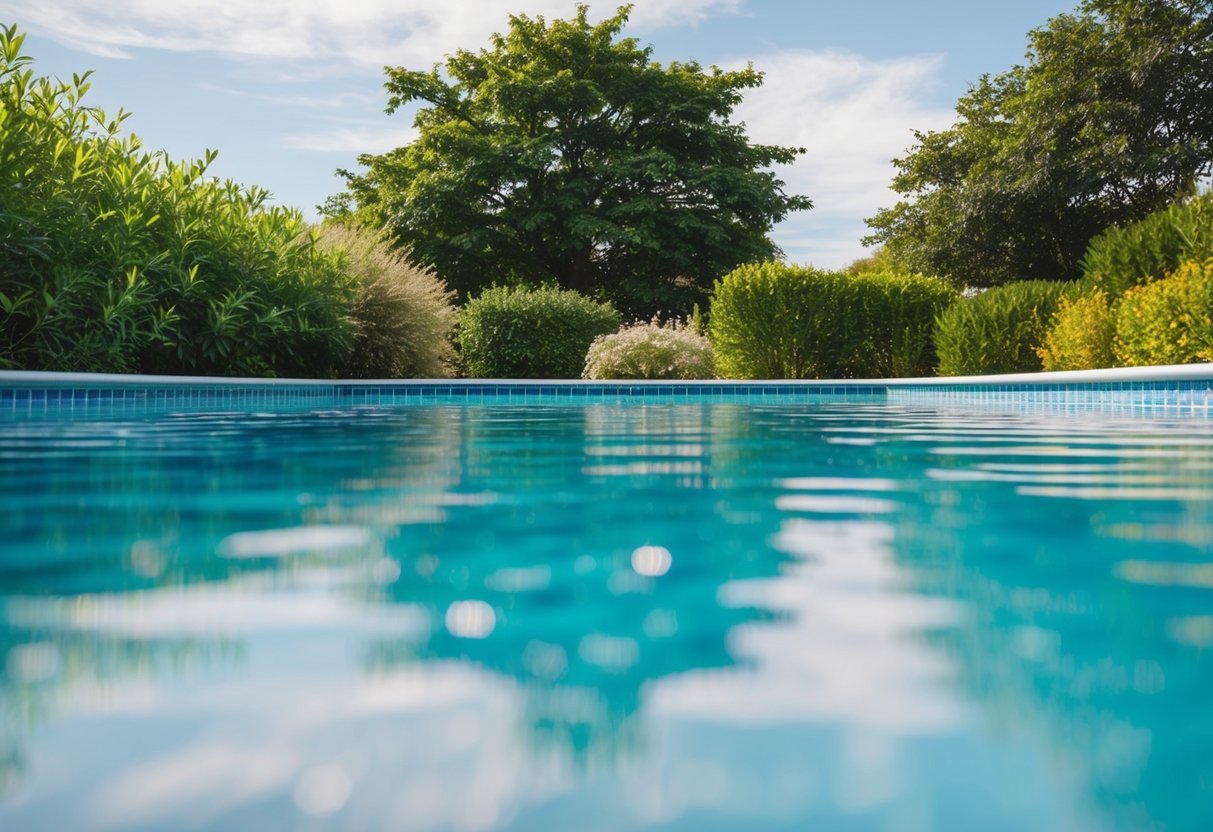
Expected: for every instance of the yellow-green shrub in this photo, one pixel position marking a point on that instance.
(1169, 321)
(1080, 334)
(900, 322)
(772, 320)
(997, 331)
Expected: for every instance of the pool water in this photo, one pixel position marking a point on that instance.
(845, 615)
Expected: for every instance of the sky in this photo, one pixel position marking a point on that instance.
(288, 91)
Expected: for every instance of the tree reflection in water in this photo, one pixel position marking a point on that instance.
(550, 525)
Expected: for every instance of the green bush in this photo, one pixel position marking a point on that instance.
(651, 350)
(1121, 258)
(1080, 334)
(899, 321)
(999, 330)
(531, 333)
(116, 259)
(404, 315)
(771, 320)
(1169, 321)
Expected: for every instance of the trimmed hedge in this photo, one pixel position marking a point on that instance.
(900, 321)
(999, 330)
(772, 320)
(651, 351)
(1169, 321)
(1123, 257)
(531, 333)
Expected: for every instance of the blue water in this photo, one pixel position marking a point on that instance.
(849, 616)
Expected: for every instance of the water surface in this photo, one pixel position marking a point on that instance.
(845, 616)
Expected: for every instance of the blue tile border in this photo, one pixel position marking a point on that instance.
(1186, 389)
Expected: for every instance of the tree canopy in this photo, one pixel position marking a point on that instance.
(1110, 118)
(564, 154)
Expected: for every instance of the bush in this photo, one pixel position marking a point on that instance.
(770, 320)
(404, 315)
(115, 259)
(1080, 334)
(880, 260)
(531, 333)
(1169, 321)
(1121, 258)
(999, 330)
(900, 312)
(651, 350)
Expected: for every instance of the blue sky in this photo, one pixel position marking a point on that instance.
(290, 90)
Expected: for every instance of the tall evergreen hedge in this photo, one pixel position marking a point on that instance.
(772, 320)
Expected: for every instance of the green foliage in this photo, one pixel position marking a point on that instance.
(564, 154)
(1098, 329)
(531, 333)
(115, 259)
(880, 260)
(997, 331)
(770, 320)
(404, 315)
(1123, 257)
(1080, 334)
(1169, 321)
(899, 312)
(1107, 121)
(651, 351)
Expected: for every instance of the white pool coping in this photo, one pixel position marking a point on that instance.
(1176, 372)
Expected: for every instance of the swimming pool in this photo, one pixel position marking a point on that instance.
(606, 607)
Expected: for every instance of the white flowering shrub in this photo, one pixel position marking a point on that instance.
(652, 350)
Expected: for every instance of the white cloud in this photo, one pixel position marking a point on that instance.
(333, 100)
(853, 115)
(351, 140)
(369, 33)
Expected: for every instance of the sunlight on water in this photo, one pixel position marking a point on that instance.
(606, 617)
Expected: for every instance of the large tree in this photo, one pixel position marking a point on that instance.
(563, 153)
(1110, 118)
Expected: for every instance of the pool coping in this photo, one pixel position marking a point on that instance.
(1185, 390)
(24, 379)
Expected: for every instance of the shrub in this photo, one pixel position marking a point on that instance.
(1121, 258)
(770, 320)
(651, 350)
(880, 260)
(404, 315)
(116, 259)
(1169, 321)
(900, 323)
(999, 330)
(1080, 334)
(531, 333)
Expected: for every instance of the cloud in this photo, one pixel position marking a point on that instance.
(331, 100)
(348, 140)
(368, 33)
(853, 115)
